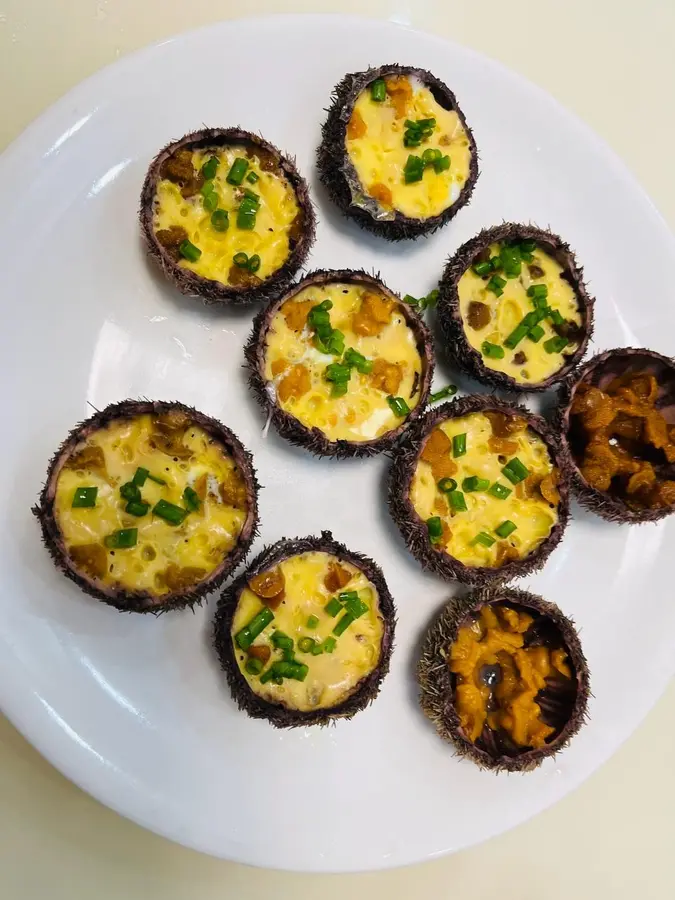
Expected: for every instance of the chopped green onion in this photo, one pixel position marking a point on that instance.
(191, 499)
(339, 390)
(556, 317)
(412, 301)
(241, 260)
(245, 220)
(492, 351)
(220, 220)
(84, 497)
(344, 596)
(140, 476)
(188, 251)
(236, 174)
(210, 168)
(282, 669)
(430, 155)
(398, 406)
(317, 649)
(210, 202)
(474, 483)
(528, 246)
(496, 263)
(482, 268)
(122, 539)
(511, 262)
(432, 297)
(445, 485)
(483, 538)
(329, 644)
(537, 292)
(413, 170)
(254, 263)
(333, 607)
(435, 529)
(337, 373)
(457, 501)
(378, 90)
(245, 637)
(355, 606)
(343, 624)
(515, 471)
(251, 199)
(281, 640)
(252, 177)
(254, 666)
(535, 334)
(137, 507)
(156, 479)
(496, 285)
(306, 644)
(441, 165)
(312, 621)
(555, 344)
(459, 445)
(361, 364)
(130, 491)
(288, 654)
(171, 513)
(506, 528)
(516, 336)
(448, 391)
(500, 491)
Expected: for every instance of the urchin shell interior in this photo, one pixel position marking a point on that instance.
(144, 601)
(278, 715)
(437, 685)
(450, 317)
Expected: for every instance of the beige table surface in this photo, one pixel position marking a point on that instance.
(612, 62)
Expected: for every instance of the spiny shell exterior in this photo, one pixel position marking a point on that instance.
(288, 426)
(414, 529)
(280, 716)
(338, 174)
(450, 317)
(598, 371)
(436, 681)
(145, 601)
(211, 291)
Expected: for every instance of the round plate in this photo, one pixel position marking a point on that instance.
(134, 709)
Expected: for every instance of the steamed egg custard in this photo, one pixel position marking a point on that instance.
(227, 213)
(307, 632)
(410, 154)
(150, 503)
(487, 489)
(342, 358)
(519, 311)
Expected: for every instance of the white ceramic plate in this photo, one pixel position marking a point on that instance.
(132, 708)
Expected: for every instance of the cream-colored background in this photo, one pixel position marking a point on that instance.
(611, 61)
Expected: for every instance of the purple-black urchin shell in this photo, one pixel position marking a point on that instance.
(281, 716)
(450, 316)
(598, 372)
(313, 439)
(414, 529)
(338, 174)
(562, 702)
(116, 595)
(210, 290)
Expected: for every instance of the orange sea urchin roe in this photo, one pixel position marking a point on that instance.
(496, 639)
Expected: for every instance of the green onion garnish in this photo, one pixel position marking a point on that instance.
(537, 292)
(355, 606)
(412, 301)
(171, 513)
(254, 666)
(516, 336)
(137, 508)
(482, 268)
(528, 246)
(211, 201)
(535, 334)
(398, 406)
(84, 497)
(339, 390)
(500, 491)
(252, 177)
(511, 262)
(236, 174)
(343, 624)
(361, 364)
(496, 263)
(459, 445)
(188, 251)
(430, 155)
(329, 644)
(555, 344)
(413, 170)
(515, 471)
(306, 644)
(337, 372)
(474, 483)
(317, 649)
(556, 317)
(496, 285)
(210, 168)
(333, 607)
(256, 626)
(378, 90)
(240, 260)
(483, 538)
(191, 499)
(435, 529)
(288, 654)
(445, 485)
(312, 621)
(245, 219)
(282, 669)
(220, 220)
(441, 165)
(281, 640)
(492, 351)
(122, 539)
(506, 528)
(254, 263)
(457, 501)
(130, 491)
(448, 391)
(156, 479)
(140, 476)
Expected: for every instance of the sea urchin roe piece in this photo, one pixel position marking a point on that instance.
(278, 366)
(548, 487)
(478, 315)
(642, 480)
(502, 446)
(178, 167)
(436, 452)
(295, 384)
(268, 585)
(381, 193)
(506, 701)
(232, 491)
(357, 127)
(171, 238)
(179, 578)
(90, 457)
(503, 425)
(91, 558)
(169, 432)
(374, 313)
(337, 577)
(386, 376)
(595, 409)
(400, 91)
(238, 276)
(295, 312)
